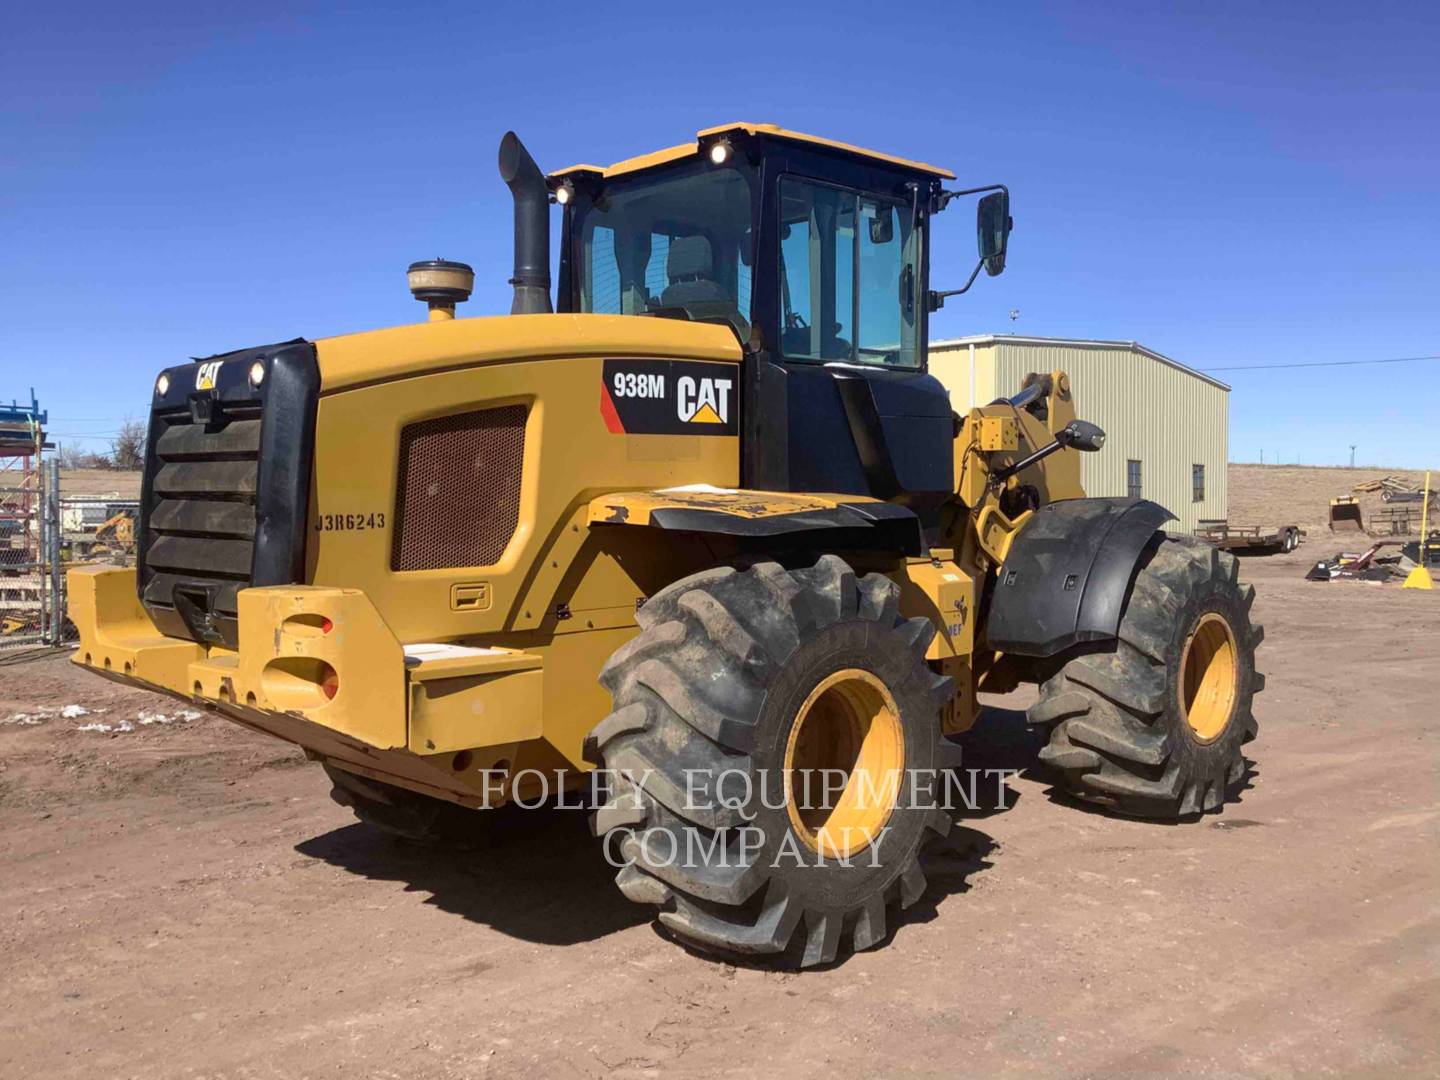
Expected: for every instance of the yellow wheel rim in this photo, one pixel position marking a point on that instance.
(844, 760)
(1209, 677)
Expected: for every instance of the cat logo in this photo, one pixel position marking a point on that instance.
(670, 397)
(703, 401)
(206, 374)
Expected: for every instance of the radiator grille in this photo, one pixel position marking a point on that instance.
(458, 499)
(201, 532)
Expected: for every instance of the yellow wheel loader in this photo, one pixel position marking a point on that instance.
(706, 540)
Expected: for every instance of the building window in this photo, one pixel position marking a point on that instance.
(1197, 483)
(1132, 478)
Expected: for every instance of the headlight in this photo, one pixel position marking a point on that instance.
(162, 384)
(257, 373)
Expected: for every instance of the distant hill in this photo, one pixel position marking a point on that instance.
(123, 485)
(1301, 494)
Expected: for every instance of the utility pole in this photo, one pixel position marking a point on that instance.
(1352, 455)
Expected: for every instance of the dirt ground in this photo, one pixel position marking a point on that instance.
(181, 899)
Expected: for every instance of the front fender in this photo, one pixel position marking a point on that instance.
(851, 521)
(1068, 572)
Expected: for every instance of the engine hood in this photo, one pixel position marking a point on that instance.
(416, 349)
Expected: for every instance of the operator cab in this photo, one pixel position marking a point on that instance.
(815, 254)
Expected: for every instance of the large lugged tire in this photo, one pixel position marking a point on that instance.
(738, 680)
(1152, 724)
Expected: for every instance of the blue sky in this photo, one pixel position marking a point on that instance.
(1228, 183)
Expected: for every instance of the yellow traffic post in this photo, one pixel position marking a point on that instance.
(1419, 578)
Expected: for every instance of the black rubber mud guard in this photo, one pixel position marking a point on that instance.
(1068, 572)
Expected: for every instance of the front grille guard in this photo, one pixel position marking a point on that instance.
(192, 520)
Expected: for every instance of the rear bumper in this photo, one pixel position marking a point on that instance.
(320, 668)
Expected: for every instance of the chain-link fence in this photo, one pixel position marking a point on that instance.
(43, 532)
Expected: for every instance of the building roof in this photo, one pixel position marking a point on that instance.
(1076, 343)
(773, 131)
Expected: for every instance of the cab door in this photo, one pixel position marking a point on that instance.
(841, 385)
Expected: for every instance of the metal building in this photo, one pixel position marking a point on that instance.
(1167, 424)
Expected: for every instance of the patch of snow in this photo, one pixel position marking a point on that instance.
(20, 719)
(45, 712)
(429, 650)
(183, 716)
(142, 719)
(697, 489)
(119, 727)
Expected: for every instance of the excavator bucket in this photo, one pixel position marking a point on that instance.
(1345, 515)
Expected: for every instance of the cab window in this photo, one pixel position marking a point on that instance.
(849, 282)
(676, 246)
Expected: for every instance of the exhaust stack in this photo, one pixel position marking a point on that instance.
(532, 227)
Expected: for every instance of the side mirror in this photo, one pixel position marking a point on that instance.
(1081, 435)
(992, 230)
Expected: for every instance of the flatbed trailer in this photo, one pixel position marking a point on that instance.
(1255, 539)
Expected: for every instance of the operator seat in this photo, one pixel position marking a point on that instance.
(690, 270)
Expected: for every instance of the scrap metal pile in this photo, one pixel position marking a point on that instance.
(1394, 489)
(1368, 565)
(26, 588)
(1377, 563)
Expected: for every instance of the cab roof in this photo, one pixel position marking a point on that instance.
(773, 131)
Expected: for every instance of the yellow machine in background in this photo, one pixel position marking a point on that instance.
(709, 521)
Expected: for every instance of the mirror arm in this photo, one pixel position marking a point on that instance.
(999, 476)
(942, 198)
(1077, 433)
(936, 300)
